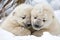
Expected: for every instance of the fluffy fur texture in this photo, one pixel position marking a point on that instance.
(18, 20)
(42, 19)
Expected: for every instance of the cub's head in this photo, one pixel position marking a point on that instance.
(22, 15)
(41, 16)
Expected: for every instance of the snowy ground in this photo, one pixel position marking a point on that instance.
(4, 35)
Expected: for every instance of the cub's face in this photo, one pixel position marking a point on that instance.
(41, 17)
(22, 15)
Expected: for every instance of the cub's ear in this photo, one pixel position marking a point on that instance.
(13, 13)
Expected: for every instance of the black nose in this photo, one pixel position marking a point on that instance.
(37, 26)
(28, 24)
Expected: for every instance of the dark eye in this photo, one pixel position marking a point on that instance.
(44, 20)
(23, 17)
(35, 17)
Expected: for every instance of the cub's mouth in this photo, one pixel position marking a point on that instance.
(38, 26)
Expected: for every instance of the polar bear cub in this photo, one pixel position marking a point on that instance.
(18, 20)
(43, 19)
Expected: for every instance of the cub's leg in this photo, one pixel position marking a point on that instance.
(20, 31)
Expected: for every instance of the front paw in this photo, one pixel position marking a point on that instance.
(20, 31)
(37, 33)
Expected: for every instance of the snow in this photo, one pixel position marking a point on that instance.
(0, 21)
(4, 35)
(57, 15)
(55, 4)
(34, 2)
